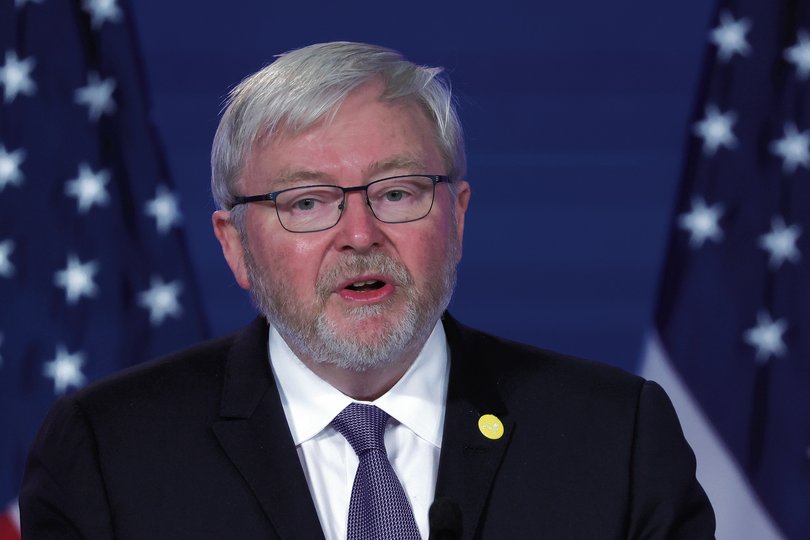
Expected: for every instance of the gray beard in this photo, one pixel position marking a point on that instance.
(314, 336)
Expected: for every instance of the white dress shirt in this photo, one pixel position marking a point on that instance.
(413, 437)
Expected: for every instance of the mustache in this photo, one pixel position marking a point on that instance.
(357, 264)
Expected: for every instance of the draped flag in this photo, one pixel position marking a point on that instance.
(94, 273)
(731, 341)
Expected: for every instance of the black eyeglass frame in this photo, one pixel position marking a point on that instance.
(273, 195)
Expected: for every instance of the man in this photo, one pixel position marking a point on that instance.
(339, 170)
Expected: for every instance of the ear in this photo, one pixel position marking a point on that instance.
(462, 201)
(232, 249)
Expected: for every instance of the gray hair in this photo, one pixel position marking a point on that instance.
(304, 86)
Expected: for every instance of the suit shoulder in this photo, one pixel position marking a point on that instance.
(515, 365)
(194, 373)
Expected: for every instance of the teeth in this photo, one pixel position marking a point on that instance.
(363, 283)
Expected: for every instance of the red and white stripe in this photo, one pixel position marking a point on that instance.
(740, 515)
(10, 522)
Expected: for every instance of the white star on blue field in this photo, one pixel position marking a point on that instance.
(161, 300)
(702, 222)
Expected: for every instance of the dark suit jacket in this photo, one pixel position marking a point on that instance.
(197, 446)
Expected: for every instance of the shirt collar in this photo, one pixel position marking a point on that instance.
(417, 400)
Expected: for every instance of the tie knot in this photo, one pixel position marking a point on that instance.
(363, 426)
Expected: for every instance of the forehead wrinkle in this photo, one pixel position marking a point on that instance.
(403, 162)
(289, 177)
(292, 177)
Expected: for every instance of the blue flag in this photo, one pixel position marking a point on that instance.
(94, 272)
(732, 327)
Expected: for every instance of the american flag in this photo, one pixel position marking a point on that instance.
(94, 273)
(732, 327)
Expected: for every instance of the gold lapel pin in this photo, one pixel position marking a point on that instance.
(490, 426)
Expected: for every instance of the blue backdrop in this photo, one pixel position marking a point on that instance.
(575, 114)
(577, 117)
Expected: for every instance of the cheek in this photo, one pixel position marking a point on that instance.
(294, 259)
(425, 251)
(302, 247)
(302, 260)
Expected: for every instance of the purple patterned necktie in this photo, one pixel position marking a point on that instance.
(379, 508)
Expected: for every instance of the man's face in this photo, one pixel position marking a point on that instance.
(363, 293)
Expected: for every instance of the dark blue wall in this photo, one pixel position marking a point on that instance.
(575, 114)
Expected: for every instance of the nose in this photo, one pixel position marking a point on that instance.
(358, 229)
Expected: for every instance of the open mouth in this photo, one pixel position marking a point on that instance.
(363, 286)
(368, 288)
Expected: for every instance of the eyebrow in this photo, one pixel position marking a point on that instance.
(403, 162)
(288, 178)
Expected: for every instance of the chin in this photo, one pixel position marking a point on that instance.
(369, 331)
(369, 318)
(368, 337)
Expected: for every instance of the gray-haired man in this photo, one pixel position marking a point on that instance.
(339, 171)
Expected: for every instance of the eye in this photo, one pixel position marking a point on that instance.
(305, 204)
(308, 199)
(394, 195)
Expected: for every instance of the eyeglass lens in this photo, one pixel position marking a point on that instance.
(392, 200)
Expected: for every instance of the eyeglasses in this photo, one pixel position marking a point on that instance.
(398, 199)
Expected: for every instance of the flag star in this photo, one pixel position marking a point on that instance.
(97, 96)
(15, 76)
(716, 130)
(102, 11)
(766, 337)
(729, 36)
(799, 55)
(6, 268)
(702, 222)
(88, 188)
(780, 242)
(77, 279)
(164, 209)
(65, 370)
(161, 300)
(10, 167)
(793, 148)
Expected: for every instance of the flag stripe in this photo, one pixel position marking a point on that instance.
(10, 523)
(717, 471)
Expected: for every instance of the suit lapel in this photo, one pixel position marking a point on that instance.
(469, 461)
(253, 432)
